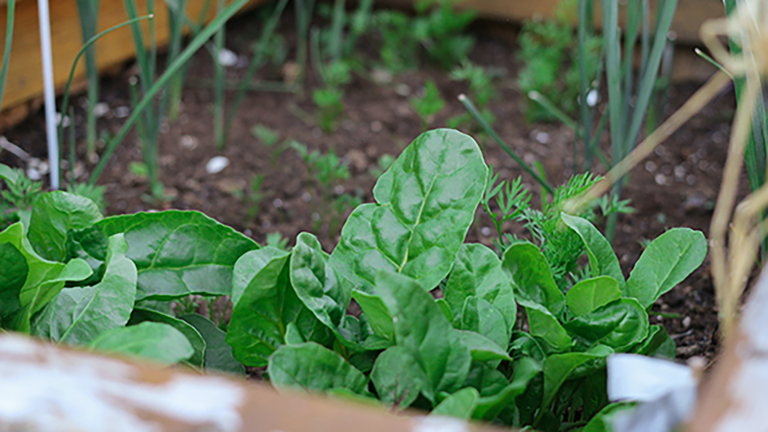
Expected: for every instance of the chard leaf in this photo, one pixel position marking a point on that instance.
(77, 316)
(482, 317)
(398, 378)
(477, 272)
(310, 367)
(532, 278)
(481, 348)
(267, 304)
(658, 344)
(315, 282)
(377, 314)
(459, 405)
(218, 355)
(547, 329)
(149, 340)
(13, 273)
(44, 279)
(666, 262)
(177, 253)
(426, 203)
(488, 407)
(602, 260)
(53, 216)
(619, 325)
(558, 367)
(590, 294)
(197, 359)
(422, 328)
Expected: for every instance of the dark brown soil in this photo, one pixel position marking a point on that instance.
(675, 187)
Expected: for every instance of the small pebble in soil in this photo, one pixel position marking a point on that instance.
(680, 172)
(315, 216)
(101, 109)
(650, 167)
(266, 225)
(122, 112)
(540, 136)
(165, 128)
(306, 197)
(593, 98)
(189, 142)
(317, 132)
(64, 123)
(248, 232)
(216, 164)
(485, 231)
(277, 203)
(227, 58)
(686, 322)
(381, 76)
(338, 189)
(691, 180)
(660, 179)
(529, 158)
(376, 126)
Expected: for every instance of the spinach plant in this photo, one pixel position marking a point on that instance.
(446, 326)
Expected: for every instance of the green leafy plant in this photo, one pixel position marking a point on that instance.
(481, 91)
(382, 164)
(20, 194)
(77, 278)
(428, 104)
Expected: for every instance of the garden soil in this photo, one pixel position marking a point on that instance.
(675, 187)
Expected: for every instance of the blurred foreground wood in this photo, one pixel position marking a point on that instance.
(50, 389)
(735, 396)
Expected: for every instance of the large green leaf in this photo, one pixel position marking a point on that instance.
(177, 253)
(558, 367)
(218, 355)
(13, 273)
(459, 405)
(546, 328)
(265, 305)
(44, 279)
(619, 325)
(421, 327)
(589, 294)
(477, 272)
(197, 342)
(77, 316)
(53, 216)
(311, 367)
(316, 283)
(481, 317)
(665, 263)
(602, 259)
(532, 278)
(426, 204)
(377, 314)
(481, 348)
(149, 340)
(398, 378)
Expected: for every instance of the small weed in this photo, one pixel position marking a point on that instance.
(276, 240)
(93, 192)
(383, 164)
(254, 197)
(428, 104)
(268, 137)
(481, 91)
(18, 198)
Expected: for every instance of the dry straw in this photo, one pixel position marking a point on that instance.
(731, 266)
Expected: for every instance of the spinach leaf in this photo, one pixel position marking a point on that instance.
(481, 348)
(482, 317)
(13, 273)
(77, 316)
(532, 278)
(53, 216)
(316, 283)
(398, 378)
(602, 421)
(265, 306)
(547, 329)
(197, 359)
(668, 260)
(459, 405)
(488, 407)
(477, 272)
(602, 260)
(558, 367)
(422, 328)
(149, 340)
(377, 314)
(218, 355)
(619, 325)
(313, 368)
(658, 344)
(8, 174)
(177, 253)
(426, 204)
(590, 294)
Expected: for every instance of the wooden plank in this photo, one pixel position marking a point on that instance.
(688, 18)
(49, 388)
(25, 79)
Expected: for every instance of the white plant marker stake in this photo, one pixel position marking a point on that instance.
(50, 95)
